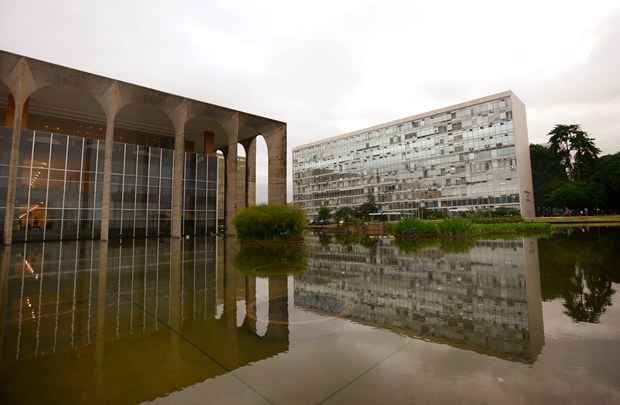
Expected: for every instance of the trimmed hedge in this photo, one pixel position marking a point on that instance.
(262, 222)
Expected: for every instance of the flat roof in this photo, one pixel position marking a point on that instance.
(507, 93)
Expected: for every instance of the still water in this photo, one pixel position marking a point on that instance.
(332, 320)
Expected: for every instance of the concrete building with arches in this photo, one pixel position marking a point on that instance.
(88, 157)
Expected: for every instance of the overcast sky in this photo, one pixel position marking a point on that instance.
(328, 67)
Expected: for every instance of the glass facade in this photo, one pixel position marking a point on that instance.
(5, 155)
(199, 194)
(141, 198)
(458, 159)
(60, 184)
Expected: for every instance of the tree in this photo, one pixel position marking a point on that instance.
(343, 214)
(571, 195)
(576, 150)
(547, 174)
(606, 182)
(367, 208)
(324, 214)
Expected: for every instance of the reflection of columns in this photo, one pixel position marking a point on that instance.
(276, 148)
(10, 192)
(5, 263)
(278, 308)
(100, 318)
(107, 177)
(219, 277)
(250, 172)
(174, 290)
(535, 326)
(231, 283)
(250, 303)
(231, 172)
(177, 183)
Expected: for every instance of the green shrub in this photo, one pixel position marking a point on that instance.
(269, 222)
(454, 227)
(411, 227)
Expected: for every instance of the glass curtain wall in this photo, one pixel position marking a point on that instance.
(199, 194)
(5, 155)
(59, 187)
(141, 195)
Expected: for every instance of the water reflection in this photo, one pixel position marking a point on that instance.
(580, 269)
(117, 319)
(139, 320)
(484, 298)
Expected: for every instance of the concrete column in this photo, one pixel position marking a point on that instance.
(241, 182)
(231, 172)
(10, 192)
(209, 142)
(250, 172)
(231, 187)
(177, 183)
(276, 146)
(107, 178)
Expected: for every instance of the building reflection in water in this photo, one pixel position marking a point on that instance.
(122, 332)
(485, 297)
(128, 322)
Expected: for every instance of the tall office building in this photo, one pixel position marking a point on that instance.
(473, 155)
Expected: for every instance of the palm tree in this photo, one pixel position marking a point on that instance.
(575, 148)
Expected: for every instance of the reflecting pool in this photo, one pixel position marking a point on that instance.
(330, 320)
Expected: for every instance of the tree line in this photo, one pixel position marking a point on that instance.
(571, 177)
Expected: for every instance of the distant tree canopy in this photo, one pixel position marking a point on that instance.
(324, 213)
(369, 207)
(570, 174)
(344, 214)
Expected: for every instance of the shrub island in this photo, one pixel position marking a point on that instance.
(270, 222)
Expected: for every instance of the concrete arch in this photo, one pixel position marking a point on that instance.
(66, 109)
(206, 133)
(174, 107)
(144, 121)
(6, 98)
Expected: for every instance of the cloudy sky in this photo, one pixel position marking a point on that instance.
(327, 67)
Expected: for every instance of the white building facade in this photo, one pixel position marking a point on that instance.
(469, 156)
